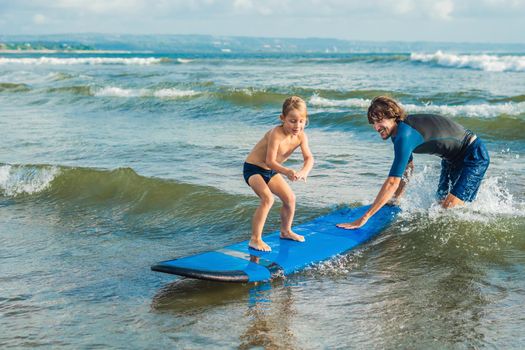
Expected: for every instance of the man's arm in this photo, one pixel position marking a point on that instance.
(390, 186)
(402, 185)
(443, 184)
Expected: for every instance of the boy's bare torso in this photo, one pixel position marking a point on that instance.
(287, 145)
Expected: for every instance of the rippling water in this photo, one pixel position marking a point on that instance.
(112, 162)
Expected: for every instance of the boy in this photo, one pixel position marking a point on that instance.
(263, 168)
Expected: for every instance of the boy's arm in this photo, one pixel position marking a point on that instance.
(274, 139)
(308, 158)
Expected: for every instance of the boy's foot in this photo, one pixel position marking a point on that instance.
(259, 245)
(292, 236)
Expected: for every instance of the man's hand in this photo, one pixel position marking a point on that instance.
(353, 225)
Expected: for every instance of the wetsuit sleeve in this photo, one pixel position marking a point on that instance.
(406, 140)
(402, 155)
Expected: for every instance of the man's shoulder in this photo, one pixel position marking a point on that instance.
(408, 131)
(414, 118)
(403, 128)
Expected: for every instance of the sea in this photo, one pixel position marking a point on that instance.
(113, 160)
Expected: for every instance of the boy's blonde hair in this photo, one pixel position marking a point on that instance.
(294, 102)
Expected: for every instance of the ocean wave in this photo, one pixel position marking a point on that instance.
(500, 128)
(13, 87)
(174, 93)
(184, 60)
(76, 89)
(358, 57)
(318, 101)
(112, 91)
(316, 97)
(483, 227)
(333, 98)
(471, 110)
(115, 91)
(488, 63)
(83, 60)
(19, 180)
(494, 200)
(518, 98)
(251, 96)
(122, 186)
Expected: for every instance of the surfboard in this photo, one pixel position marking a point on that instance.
(239, 263)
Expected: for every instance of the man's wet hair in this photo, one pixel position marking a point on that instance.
(384, 107)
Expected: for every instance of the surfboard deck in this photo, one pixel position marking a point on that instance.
(239, 263)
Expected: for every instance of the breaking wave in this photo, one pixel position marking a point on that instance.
(83, 60)
(471, 110)
(488, 63)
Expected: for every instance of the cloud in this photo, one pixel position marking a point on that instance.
(243, 5)
(100, 6)
(404, 6)
(386, 9)
(443, 9)
(372, 19)
(490, 9)
(39, 19)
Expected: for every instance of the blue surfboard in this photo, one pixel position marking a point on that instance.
(239, 263)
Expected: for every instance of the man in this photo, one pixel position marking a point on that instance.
(464, 156)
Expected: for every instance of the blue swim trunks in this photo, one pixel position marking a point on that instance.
(252, 169)
(463, 178)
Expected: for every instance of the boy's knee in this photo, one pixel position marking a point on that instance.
(289, 200)
(267, 200)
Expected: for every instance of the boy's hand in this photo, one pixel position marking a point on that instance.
(301, 175)
(291, 175)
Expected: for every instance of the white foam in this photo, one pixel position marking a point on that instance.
(17, 180)
(112, 91)
(485, 110)
(493, 200)
(246, 91)
(184, 60)
(84, 60)
(488, 63)
(336, 266)
(318, 101)
(174, 93)
(474, 110)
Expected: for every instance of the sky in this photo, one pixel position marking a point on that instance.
(494, 21)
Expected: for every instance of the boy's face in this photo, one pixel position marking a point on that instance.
(294, 121)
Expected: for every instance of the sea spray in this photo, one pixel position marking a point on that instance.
(20, 180)
(493, 199)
